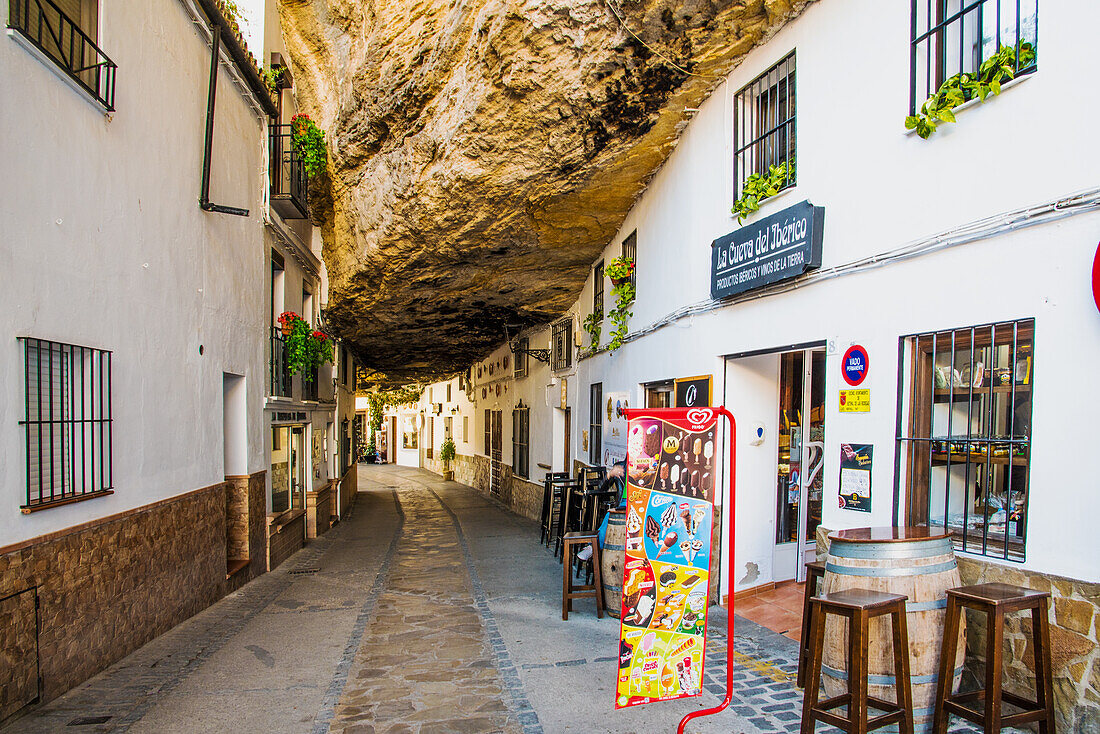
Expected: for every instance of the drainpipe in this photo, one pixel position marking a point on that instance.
(204, 195)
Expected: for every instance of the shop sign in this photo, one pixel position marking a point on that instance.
(854, 365)
(855, 401)
(1096, 278)
(776, 248)
(614, 430)
(564, 394)
(290, 417)
(666, 570)
(693, 392)
(855, 476)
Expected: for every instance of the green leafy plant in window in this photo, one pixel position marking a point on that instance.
(306, 349)
(759, 187)
(619, 269)
(993, 72)
(592, 325)
(624, 295)
(272, 76)
(308, 142)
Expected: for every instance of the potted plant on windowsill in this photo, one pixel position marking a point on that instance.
(620, 270)
(306, 349)
(447, 455)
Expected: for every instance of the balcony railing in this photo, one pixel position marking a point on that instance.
(289, 182)
(60, 38)
(280, 372)
(309, 387)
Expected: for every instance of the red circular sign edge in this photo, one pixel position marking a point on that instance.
(866, 368)
(1096, 278)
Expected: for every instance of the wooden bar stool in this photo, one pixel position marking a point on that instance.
(569, 592)
(994, 600)
(858, 606)
(815, 574)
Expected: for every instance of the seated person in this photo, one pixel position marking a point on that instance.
(614, 481)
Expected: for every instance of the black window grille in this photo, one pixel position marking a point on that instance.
(67, 36)
(597, 290)
(309, 384)
(562, 341)
(521, 422)
(519, 368)
(280, 370)
(67, 422)
(965, 443)
(952, 37)
(630, 252)
(764, 125)
(488, 432)
(595, 423)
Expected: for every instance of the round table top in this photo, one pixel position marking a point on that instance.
(889, 534)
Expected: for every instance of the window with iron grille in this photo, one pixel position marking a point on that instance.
(597, 290)
(429, 450)
(519, 368)
(562, 343)
(964, 447)
(67, 422)
(764, 129)
(66, 32)
(488, 432)
(595, 423)
(521, 422)
(952, 37)
(630, 252)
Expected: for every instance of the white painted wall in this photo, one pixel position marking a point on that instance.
(883, 189)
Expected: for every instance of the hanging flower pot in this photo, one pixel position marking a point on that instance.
(286, 321)
(620, 270)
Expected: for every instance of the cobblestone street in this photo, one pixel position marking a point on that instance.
(432, 610)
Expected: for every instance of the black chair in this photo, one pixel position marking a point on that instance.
(551, 504)
(569, 516)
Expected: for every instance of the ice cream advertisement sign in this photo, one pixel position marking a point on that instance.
(670, 460)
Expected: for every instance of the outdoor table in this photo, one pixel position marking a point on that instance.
(918, 562)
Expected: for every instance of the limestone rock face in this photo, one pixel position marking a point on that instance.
(482, 153)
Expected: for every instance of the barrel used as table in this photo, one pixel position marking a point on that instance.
(611, 562)
(917, 562)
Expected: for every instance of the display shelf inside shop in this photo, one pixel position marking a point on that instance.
(964, 393)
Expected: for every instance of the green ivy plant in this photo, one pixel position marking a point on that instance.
(272, 76)
(759, 187)
(624, 298)
(997, 69)
(592, 325)
(308, 142)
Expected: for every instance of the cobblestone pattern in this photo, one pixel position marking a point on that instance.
(425, 663)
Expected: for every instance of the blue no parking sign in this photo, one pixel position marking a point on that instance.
(854, 366)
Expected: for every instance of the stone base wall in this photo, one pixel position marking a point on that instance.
(1075, 655)
(246, 514)
(349, 485)
(285, 537)
(519, 495)
(236, 517)
(109, 586)
(319, 510)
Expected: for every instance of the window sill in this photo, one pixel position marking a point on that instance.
(28, 509)
(975, 102)
(16, 35)
(765, 204)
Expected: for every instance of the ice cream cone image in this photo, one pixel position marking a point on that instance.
(668, 541)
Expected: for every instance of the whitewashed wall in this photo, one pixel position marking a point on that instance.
(104, 245)
(881, 189)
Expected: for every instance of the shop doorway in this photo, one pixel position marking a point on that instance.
(779, 400)
(496, 451)
(287, 468)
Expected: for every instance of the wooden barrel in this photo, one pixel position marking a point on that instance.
(611, 562)
(915, 562)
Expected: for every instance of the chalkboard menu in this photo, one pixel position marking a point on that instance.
(693, 392)
(775, 248)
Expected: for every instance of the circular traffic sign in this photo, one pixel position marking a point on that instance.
(854, 366)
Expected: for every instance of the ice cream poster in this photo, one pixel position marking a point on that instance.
(670, 460)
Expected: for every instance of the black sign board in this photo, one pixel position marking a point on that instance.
(693, 392)
(282, 416)
(779, 247)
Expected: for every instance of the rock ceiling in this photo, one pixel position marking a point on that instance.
(483, 153)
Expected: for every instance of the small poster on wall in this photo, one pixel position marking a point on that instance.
(614, 427)
(855, 476)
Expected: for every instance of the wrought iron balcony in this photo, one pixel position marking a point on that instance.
(289, 182)
(280, 372)
(309, 386)
(60, 39)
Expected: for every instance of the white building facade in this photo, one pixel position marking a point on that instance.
(953, 270)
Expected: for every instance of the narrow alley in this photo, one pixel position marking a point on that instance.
(433, 609)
